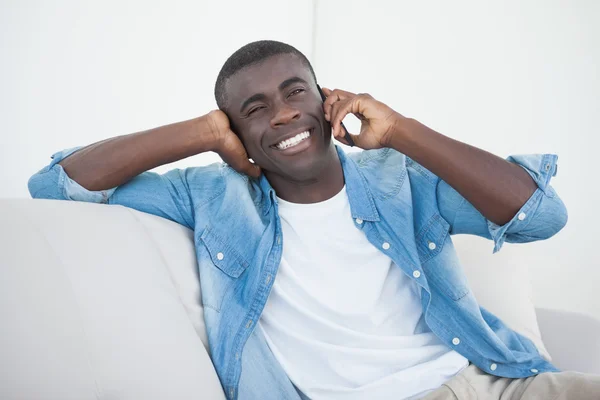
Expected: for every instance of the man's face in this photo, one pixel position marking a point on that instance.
(273, 101)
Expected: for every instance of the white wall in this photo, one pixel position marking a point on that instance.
(507, 76)
(510, 77)
(76, 72)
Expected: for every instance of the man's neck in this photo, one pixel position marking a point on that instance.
(327, 184)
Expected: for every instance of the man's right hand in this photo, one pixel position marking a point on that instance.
(229, 146)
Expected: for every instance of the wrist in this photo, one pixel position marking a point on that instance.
(207, 132)
(400, 132)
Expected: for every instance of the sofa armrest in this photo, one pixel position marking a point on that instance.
(572, 339)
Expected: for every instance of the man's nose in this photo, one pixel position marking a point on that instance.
(284, 115)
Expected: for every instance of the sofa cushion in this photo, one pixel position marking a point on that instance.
(92, 307)
(501, 284)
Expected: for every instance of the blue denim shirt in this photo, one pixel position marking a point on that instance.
(403, 209)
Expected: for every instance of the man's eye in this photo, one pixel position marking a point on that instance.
(296, 91)
(255, 109)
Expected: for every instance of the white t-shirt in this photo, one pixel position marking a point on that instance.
(342, 319)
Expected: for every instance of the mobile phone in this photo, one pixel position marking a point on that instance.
(346, 134)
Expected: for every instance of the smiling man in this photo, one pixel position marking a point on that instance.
(293, 146)
(326, 275)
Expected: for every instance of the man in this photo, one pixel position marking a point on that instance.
(333, 276)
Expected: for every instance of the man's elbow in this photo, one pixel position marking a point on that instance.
(35, 185)
(554, 216)
(43, 186)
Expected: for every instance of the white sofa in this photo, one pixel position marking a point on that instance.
(103, 302)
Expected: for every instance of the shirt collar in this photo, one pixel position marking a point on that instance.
(361, 201)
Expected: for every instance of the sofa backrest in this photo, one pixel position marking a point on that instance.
(106, 299)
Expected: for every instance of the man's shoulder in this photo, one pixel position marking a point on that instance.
(387, 171)
(211, 182)
(374, 156)
(207, 181)
(379, 162)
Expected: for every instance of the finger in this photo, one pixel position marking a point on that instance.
(354, 105)
(253, 170)
(339, 139)
(341, 93)
(334, 109)
(242, 165)
(250, 168)
(342, 136)
(333, 96)
(328, 103)
(326, 111)
(339, 110)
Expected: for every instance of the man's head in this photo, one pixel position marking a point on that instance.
(268, 90)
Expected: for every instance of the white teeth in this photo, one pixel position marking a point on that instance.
(292, 141)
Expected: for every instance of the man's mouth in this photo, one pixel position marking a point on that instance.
(293, 141)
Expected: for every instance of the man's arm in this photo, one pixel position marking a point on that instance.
(494, 186)
(114, 171)
(477, 193)
(115, 161)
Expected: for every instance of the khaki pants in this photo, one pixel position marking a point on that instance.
(472, 383)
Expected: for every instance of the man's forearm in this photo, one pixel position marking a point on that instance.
(495, 187)
(113, 162)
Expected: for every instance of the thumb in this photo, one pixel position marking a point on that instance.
(242, 164)
(253, 170)
(239, 161)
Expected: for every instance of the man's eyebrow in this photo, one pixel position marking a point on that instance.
(291, 81)
(252, 99)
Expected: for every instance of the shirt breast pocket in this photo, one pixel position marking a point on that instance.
(431, 238)
(222, 254)
(439, 259)
(220, 268)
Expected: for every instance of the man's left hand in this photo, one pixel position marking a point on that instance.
(378, 121)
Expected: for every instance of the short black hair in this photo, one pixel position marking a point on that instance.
(250, 54)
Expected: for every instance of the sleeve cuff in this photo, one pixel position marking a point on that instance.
(73, 190)
(518, 222)
(541, 167)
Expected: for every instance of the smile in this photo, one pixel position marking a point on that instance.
(294, 141)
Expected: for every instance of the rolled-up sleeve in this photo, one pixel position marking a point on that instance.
(541, 217)
(165, 195)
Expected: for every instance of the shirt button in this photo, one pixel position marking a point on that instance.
(249, 324)
(456, 341)
(359, 221)
(385, 245)
(522, 216)
(493, 367)
(535, 371)
(416, 274)
(432, 246)
(220, 256)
